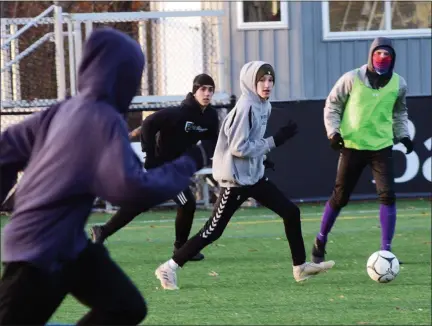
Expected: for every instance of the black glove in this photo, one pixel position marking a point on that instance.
(150, 162)
(269, 164)
(285, 133)
(202, 153)
(336, 142)
(407, 142)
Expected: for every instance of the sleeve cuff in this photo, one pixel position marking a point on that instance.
(270, 142)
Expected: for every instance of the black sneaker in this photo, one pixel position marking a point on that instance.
(96, 233)
(199, 256)
(400, 262)
(318, 252)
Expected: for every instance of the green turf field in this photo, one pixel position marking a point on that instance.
(246, 278)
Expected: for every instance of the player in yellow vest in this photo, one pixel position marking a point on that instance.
(365, 114)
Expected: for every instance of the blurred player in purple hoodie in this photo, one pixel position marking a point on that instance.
(71, 153)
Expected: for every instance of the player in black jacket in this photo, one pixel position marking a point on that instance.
(166, 135)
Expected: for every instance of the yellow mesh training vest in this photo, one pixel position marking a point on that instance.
(367, 122)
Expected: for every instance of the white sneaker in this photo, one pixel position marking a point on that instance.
(167, 276)
(307, 270)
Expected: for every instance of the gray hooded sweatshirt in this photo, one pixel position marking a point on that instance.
(241, 146)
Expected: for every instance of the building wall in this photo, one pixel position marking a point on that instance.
(306, 66)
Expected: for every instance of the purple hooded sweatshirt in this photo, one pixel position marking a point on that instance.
(78, 150)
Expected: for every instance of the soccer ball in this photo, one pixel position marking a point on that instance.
(382, 266)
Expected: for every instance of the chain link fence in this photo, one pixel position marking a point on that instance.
(177, 46)
(176, 50)
(28, 67)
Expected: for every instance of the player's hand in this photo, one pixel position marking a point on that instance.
(134, 133)
(150, 162)
(407, 142)
(337, 142)
(269, 164)
(286, 132)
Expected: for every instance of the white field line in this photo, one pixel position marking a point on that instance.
(270, 216)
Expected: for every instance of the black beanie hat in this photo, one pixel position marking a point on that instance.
(200, 80)
(389, 49)
(265, 69)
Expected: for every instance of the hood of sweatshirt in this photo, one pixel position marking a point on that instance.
(248, 85)
(111, 68)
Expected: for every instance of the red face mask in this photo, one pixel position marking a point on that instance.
(381, 64)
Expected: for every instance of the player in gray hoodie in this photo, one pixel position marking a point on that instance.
(238, 166)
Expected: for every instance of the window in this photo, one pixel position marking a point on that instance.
(370, 19)
(262, 14)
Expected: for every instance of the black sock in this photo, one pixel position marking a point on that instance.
(183, 224)
(192, 247)
(119, 220)
(295, 239)
(225, 207)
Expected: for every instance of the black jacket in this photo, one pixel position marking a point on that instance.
(168, 133)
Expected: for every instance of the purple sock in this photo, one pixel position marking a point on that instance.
(328, 219)
(388, 223)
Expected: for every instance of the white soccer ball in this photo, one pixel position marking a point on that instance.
(382, 266)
